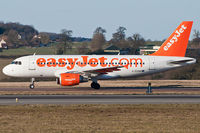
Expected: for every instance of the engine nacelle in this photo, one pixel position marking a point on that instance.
(70, 79)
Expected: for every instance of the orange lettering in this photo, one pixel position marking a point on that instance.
(136, 62)
(93, 62)
(51, 62)
(61, 62)
(84, 63)
(112, 61)
(71, 63)
(41, 62)
(102, 61)
(125, 64)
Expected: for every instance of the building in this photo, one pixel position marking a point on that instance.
(3, 44)
(148, 49)
(114, 50)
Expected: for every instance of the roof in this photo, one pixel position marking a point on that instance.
(112, 47)
(2, 41)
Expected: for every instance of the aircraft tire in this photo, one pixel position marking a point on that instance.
(95, 85)
(32, 86)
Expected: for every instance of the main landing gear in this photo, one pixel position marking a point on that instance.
(32, 86)
(95, 85)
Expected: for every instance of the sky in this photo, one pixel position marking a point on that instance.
(153, 19)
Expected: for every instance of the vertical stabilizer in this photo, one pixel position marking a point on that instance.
(176, 44)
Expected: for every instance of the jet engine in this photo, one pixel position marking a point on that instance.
(70, 79)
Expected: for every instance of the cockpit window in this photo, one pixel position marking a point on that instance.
(16, 62)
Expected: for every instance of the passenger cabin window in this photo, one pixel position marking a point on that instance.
(17, 62)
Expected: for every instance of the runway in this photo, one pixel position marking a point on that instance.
(98, 99)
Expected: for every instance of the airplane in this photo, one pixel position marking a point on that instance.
(71, 70)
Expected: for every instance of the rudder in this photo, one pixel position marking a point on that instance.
(176, 44)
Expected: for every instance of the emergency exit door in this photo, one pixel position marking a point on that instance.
(152, 63)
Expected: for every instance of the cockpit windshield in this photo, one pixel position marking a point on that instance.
(17, 62)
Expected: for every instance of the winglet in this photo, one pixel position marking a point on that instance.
(176, 44)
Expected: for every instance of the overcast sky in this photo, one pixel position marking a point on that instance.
(153, 19)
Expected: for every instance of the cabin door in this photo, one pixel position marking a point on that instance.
(32, 63)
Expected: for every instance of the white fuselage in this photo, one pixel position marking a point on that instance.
(53, 65)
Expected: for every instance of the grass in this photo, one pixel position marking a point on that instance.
(51, 50)
(27, 51)
(174, 118)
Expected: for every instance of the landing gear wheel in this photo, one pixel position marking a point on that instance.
(92, 85)
(32, 86)
(95, 85)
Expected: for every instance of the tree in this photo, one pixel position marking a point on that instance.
(44, 38)
(135, 42)
(196, 34)
(119, 38)
(26, 32)
(66, 39)
(59, 50)
(196, 39)
(13, 38)
(2, 30)
(99, 30)
(119, 35)
(98, 39)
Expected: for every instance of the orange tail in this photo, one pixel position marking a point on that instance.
(176, 44)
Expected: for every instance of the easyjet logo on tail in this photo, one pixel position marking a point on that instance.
(84, 61)
(176, 44)
(175, 38)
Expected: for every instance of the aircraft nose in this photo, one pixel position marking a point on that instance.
(6, 70)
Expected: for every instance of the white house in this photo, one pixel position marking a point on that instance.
(3, 43)
(148, 49)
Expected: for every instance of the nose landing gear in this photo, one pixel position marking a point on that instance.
(32, 86)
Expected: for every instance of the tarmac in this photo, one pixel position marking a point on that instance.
(98, 99)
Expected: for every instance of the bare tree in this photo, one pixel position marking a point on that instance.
(119, 38)
(135, 42)
(98, 39)
(119, 35)
(44, 38)
(13, 38)
(99, 30)
(66, 39)
(196, 40)
(196, 34)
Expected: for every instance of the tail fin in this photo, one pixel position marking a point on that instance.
(176, 44)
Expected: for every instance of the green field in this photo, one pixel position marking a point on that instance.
(51, 49)
(31, 50)
(172, 118)
(27, 51)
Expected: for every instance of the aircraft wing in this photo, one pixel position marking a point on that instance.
(103, 70)
(91, 72)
